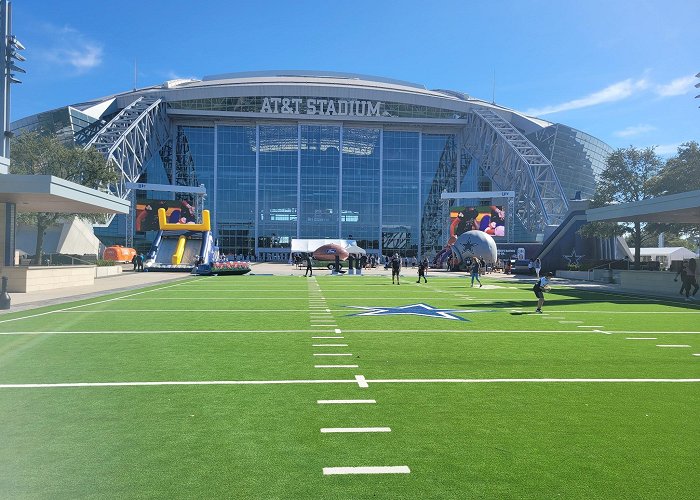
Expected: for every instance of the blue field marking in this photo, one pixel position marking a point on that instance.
(419, 309)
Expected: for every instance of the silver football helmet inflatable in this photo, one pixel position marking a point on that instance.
(475, 244)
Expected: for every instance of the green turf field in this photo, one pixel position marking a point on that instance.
(239, 387)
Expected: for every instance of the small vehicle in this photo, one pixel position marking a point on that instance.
(118, 253)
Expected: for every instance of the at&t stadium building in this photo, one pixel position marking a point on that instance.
(307, 154)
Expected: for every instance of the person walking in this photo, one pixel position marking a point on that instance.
(309, 271)
(692, 280)
(139, 262)
(421, 271)
(475, 268)
(540, 287)
(538, 267)
(135, 261)
(683, 274)
(395, 268)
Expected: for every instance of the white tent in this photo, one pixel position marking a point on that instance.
(666, 255)
(310, 245)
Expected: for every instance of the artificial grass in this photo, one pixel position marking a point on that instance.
(494, 440)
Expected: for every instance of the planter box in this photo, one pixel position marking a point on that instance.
(104, 271)
(573, 275)
(23, 279)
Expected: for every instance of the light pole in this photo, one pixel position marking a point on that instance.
(9, 48)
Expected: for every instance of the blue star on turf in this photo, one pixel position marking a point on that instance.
(413, 309)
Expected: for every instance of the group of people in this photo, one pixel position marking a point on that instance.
(395, 264)
(689, 279)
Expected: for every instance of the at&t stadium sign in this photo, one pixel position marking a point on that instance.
(328, 107)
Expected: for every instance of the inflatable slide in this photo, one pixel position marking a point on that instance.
(180, 247)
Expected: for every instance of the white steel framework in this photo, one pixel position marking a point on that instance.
(513, 163)
(135, 135)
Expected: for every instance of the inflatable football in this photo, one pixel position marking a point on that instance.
(475, 244)
(328, 252)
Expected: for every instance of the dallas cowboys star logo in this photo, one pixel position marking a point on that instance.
(414, 309)
(573, 259)
(468, 245)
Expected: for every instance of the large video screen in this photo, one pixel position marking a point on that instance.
(177, 212)
(490, 219)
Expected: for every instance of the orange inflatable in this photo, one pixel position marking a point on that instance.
(118, 253)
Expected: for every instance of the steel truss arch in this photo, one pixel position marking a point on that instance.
(134, 136)
(513, 163)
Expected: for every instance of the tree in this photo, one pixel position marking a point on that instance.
(37, 154)
(628, 176)
(679, 174)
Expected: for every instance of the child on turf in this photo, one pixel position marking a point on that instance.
(475, 267)
(540, 287)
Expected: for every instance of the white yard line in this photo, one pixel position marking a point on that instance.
(672, 345)
(393, 469)
(359, 379)
(327, 337)
(640, 338)
(331, 354)
(327, 430)
(337, 330)
(329, 345)
(346, 401)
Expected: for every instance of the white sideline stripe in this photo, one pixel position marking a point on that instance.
(337, 330)
(359, 379)
(696, 354)
(123, 297)
(672, 345)
(579, 332)
(590, 326)
(326, 430)
(601, 331)
(332, 354)
(329, 345)
(327, 337)
(350, 401)
(336, 366)
(394, 469)
(640, 338)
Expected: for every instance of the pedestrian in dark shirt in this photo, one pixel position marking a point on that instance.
(421, 271)
(395, 268)
(309, 271)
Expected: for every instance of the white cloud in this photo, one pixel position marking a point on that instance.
(679, 86)
(635, 130)
(171, 75)
(70, 49)
(615, 92)
(667, 149)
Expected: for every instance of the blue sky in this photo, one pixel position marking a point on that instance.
(621, 70)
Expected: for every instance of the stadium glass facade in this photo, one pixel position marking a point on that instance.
(368, 160)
